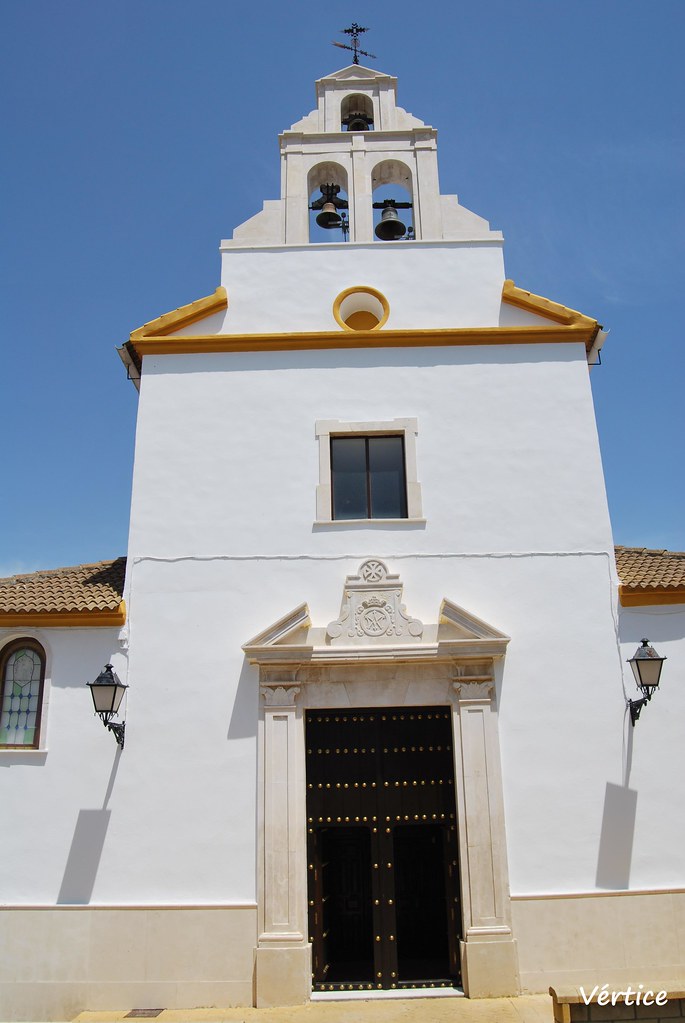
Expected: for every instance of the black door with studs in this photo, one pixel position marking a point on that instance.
(383, 878)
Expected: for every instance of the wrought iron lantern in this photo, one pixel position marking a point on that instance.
(646, 665)
(107, 691)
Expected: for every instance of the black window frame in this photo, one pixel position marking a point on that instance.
(367, 438)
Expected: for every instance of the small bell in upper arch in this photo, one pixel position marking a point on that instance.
(357, 120)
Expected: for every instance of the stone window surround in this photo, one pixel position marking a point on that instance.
(283, 954)
(406, 428)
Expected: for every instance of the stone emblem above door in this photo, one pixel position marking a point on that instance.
(372, 609)
(374, 624)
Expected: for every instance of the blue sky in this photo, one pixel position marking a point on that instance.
(138, 134)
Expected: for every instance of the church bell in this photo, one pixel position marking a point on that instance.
(329, 216)
(358, 121)
(391, 227)
(329, 204)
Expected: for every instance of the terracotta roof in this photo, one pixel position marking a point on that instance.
(82, 593)
(651, 576)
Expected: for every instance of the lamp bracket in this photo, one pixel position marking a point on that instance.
(118, 730)
(637, 705)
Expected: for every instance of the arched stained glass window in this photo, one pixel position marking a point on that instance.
(22, 666)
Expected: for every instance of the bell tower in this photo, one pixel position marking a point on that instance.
(368, 168)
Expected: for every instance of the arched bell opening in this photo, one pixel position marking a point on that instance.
(356, 113)
(393, 202)
(328, 203)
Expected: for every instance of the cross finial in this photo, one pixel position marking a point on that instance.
(354, 31)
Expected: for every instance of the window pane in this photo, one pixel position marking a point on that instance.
(348, 471)
(22, 683)
(386, 473)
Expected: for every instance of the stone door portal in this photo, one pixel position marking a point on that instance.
(382, 859)
(383, 879)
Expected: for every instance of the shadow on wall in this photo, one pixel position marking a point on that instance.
(616, 840)
(87, 844)
(84, 857)
(243, 724)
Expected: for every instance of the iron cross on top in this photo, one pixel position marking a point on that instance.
(354, 31)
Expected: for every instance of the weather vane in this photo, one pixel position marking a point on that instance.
(355, 31)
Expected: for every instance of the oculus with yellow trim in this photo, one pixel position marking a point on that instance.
(361, 308)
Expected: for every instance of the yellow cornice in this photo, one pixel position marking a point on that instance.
(183, 316)
(65, 619)
(158, 338)
(545, 307)
(335, 339)
(645, 598)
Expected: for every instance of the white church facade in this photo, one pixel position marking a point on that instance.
(374, 629)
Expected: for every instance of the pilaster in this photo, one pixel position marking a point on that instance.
(360, 193)
(488, 951)
(283, 954)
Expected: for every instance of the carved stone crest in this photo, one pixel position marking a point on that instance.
(372, 609)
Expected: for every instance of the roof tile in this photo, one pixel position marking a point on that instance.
(640, 569)
(96, 587)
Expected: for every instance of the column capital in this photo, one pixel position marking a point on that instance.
(476, 691)
(279, 694)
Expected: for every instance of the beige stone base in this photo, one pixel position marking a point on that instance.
(489, 968)
(57, 962)
(619, 938)
(283, 976)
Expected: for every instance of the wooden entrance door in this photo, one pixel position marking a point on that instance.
(382, 848)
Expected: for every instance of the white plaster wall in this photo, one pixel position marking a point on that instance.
(223, 542)
(227, 459)
(43, 791)
(654, 770)
(512, 316)
(172, 818)
(427, 285)
(171, 821)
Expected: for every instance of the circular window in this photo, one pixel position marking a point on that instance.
(361, 309)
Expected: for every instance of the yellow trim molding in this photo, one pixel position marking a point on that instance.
(361, 289)
(645, 598)
(157, 337)
(66, 619)
(545, 307)
(183, 316)
(335, 339)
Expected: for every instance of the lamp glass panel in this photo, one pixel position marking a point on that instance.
(649, 669)
(106, 698)
(118, 696)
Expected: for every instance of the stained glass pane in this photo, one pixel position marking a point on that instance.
(21, 697)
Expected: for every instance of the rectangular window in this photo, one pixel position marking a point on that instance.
(368, 478)
(367, 472)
